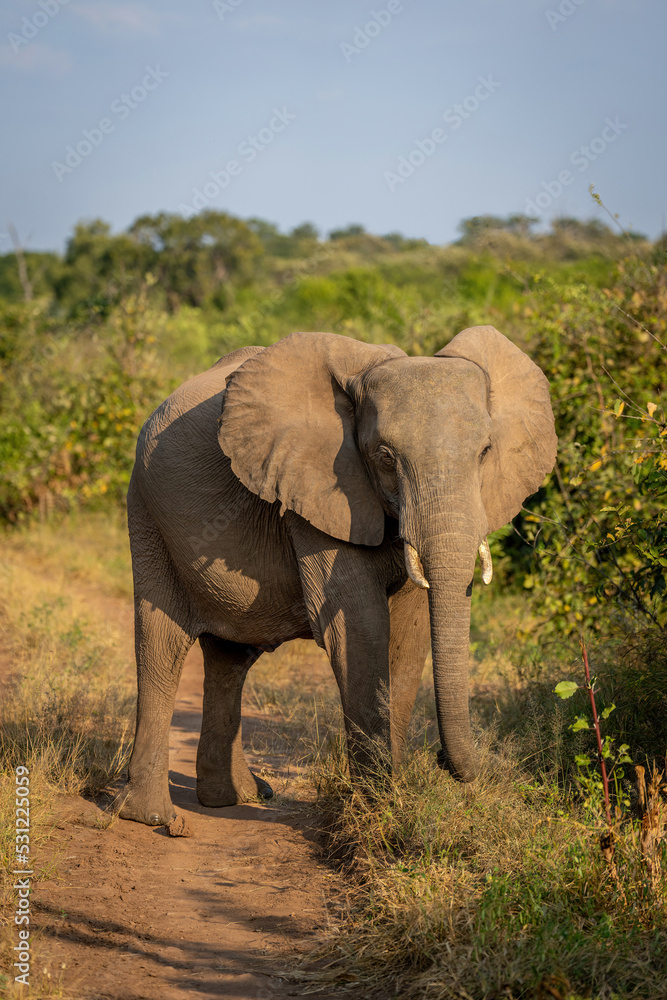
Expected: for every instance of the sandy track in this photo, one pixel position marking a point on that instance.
(134, 913)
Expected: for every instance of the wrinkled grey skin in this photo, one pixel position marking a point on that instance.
(286, 518)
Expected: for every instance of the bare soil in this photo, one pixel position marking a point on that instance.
(134, 913)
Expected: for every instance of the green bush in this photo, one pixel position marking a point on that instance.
(72, 404)
(597, 530)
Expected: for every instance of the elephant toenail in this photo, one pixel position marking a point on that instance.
(155, 820)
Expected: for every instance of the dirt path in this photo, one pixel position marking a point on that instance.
(134, 913)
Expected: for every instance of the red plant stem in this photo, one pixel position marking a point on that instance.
(591, 692)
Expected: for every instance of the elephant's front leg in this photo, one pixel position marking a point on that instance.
(409, 644)
(380, 689)
(223, 775)
(357, 642)
(346, 597)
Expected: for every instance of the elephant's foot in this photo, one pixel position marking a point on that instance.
(214, 793)
(149, 808)
(264, 790)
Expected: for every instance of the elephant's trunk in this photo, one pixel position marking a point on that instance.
(449, 607)
(447, 539)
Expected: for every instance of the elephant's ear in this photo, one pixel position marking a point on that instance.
(523, 447)
(288, 427)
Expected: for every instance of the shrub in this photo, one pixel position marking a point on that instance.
(598, 528)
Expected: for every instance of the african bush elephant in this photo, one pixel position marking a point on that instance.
(329, 489)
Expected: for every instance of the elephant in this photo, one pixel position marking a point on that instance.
(328, 489)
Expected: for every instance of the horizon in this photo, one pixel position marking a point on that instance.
(537, 229)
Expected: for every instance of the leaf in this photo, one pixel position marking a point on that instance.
(595, 466)
(607, 711)
(581, 760)
(579, 723)
(619, 406)
(651, 407)
(566, 689)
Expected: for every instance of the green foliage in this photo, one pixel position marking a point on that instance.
(98, 269)
(72, 404)
(598, 528)
(568, 238)
(594, 792)
(44, 270)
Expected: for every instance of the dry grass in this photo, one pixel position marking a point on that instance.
(88, 548)
(68, 688)
(294, 691)
(493, 890)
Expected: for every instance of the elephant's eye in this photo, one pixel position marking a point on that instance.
(384, 458)
(485, 452)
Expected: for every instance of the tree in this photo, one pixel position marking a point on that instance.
(355, 229)
(99, 268)
(306, 231)
(583, 229)
(195, 259)
(521, 224)
(477, 226)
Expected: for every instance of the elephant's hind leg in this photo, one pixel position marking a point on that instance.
(223, 775)
(161, 649)
(162, 640)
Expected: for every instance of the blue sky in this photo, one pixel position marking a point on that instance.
(402, 115)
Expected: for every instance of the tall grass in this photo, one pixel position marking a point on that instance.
(497, 889)
(68, 692)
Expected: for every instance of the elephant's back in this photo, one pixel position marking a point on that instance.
(190, 414)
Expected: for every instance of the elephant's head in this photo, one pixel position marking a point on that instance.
(343, 432)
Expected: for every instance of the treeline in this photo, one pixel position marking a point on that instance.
(204, 260)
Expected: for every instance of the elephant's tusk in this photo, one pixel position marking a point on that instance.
(414, 566)
(487, 565)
